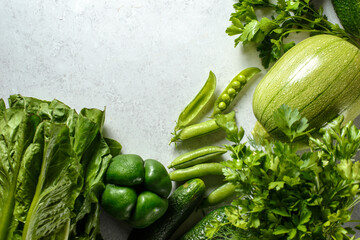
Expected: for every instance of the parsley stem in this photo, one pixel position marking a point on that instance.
(356, 201)
(311, 9)
(354, 220)
(297, 31)
(307, 20)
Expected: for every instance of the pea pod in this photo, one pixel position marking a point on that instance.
(197, 156)
(196, 130)
(233, 89)
(199, 129)
(199, 170)
(220, 194)
(197, 104)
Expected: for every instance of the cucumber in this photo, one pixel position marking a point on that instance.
(348, 12)
(320, 76)
(198, 232)
(182, 203)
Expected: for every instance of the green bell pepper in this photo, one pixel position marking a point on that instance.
(149, 206)
(121, 209)
(157, 178)
(136, 191)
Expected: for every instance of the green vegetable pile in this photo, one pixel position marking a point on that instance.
(281, 192)
(186, 128)
(284, 194)
(52, 163)
(136, 190)
(53, 160)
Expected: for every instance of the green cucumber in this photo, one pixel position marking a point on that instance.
(320, 76)
(182, 203)
(198, 232)
(348, 12)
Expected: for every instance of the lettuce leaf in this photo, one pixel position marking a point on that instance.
(52, 163)
(57, 186)
(17, 129)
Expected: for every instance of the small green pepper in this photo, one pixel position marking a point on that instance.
(126, 170)
(136, 190)
(157, 178)
(125, 201)
(149, 206)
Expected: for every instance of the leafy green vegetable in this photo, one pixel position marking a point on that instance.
(14, 127)
(287, 16)
(52, 163)
(290, 122)
(285, 194)
(57, 186)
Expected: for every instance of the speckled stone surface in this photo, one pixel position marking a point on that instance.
(141, 60)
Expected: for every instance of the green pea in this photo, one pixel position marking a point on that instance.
(236, 84)
(241, 78)
(199, 170)
(233, 89)
(225, 97)
(222, 105)
(196, 105)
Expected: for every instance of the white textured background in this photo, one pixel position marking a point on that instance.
(142, 60)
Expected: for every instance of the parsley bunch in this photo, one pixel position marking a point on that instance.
(284, 194)
(287, 16)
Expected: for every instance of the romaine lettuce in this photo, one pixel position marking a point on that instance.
(52, 162)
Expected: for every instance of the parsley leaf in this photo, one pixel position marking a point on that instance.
(290, 122)
(287, 194)
(287, 16)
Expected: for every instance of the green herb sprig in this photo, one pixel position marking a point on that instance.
(286, 17)
(284, 194)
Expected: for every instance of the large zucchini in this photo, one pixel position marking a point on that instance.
(320, 77)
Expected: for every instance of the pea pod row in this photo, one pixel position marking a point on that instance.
(196, 171)
(197, 156)
(233, 89)
(197, 104)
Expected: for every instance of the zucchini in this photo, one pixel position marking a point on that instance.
(182, 203)
(198, 232)
(320, 76)
(348, 12)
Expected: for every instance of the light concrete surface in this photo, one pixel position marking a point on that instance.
(141, 60)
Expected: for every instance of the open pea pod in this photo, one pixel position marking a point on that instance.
(197, 104)
(233, 89)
